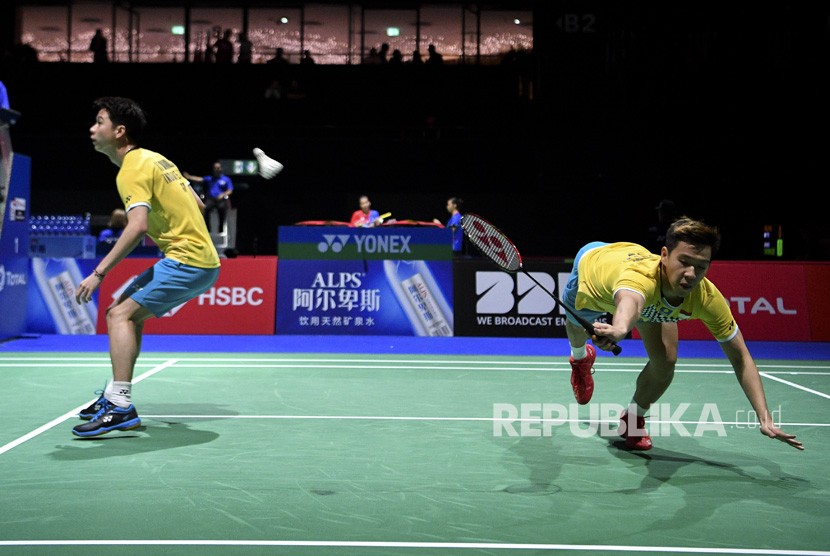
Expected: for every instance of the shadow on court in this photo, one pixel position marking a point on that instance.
(154, 434)
(544, 459)
(709, 484)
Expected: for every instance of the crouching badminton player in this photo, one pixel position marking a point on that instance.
(653, 292)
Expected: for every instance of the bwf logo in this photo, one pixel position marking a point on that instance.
(499, 293)
(335, 242)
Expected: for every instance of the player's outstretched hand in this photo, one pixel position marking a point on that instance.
(773, 432)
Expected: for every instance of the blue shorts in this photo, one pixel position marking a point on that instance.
(569, 293)
(168, 284)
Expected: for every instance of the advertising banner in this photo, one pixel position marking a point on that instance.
(768, 300)
(241, 302)
(373, 281)
(817, 276)
(51, 305)
(491, 302)
(14, 288)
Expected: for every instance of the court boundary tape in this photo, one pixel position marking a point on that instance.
(72, 413)
(423, 545)
(794, 385)
(742, 424)
(376, 363)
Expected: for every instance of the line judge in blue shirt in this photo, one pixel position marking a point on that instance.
(454, 223)
(216, 190)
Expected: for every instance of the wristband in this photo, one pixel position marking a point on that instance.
(98, 275)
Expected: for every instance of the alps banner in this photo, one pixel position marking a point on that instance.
(370, 281)
(241, 302)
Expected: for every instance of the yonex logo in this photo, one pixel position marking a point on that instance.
(335, 242)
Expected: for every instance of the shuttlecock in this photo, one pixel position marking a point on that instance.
(268, 167)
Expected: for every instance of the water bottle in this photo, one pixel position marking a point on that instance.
(420, 297)
(57, 279)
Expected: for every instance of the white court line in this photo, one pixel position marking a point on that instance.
(74, 412)
(374, 362)
(425, 545)
(744, 424)
(220, 365)
(794, 385)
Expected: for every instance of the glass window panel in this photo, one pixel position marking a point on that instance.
(503, 30)
(327, 33)
(156, 41)
(378, 22)
(122, 35)
(44, 28)
(207, 25)
(86, 18)
(274, 28)
(441, 26)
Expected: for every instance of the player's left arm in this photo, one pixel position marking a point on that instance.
(199, 201)
(750, 380)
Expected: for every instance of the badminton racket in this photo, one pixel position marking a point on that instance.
(498, 248)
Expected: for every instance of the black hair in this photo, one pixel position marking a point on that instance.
(457, 201)
(126, 112)
(694, 232)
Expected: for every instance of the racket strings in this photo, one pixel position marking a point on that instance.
(491, 242)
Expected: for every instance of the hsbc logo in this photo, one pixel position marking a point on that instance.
(499, 293)
(235, 296)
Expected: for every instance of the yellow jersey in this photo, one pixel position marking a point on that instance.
(175, 222)
(605, 270)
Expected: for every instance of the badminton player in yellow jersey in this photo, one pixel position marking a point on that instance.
(652, 292)
(160, 203)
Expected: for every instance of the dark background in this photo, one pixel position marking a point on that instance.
(719, 106)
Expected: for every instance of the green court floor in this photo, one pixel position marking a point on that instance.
(248, 454)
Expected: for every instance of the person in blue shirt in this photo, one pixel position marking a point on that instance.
(216, 190)
(4, 96)
(454, 223)
(116, 225)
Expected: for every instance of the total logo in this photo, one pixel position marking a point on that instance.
(11, 278)
(392, 243)
(499, 293)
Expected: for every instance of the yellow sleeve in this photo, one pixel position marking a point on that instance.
(135, 185)
(715, 313)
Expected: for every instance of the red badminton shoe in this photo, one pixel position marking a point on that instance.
(637, 439)
(581, 380)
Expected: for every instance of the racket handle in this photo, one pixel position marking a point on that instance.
(616, 350)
